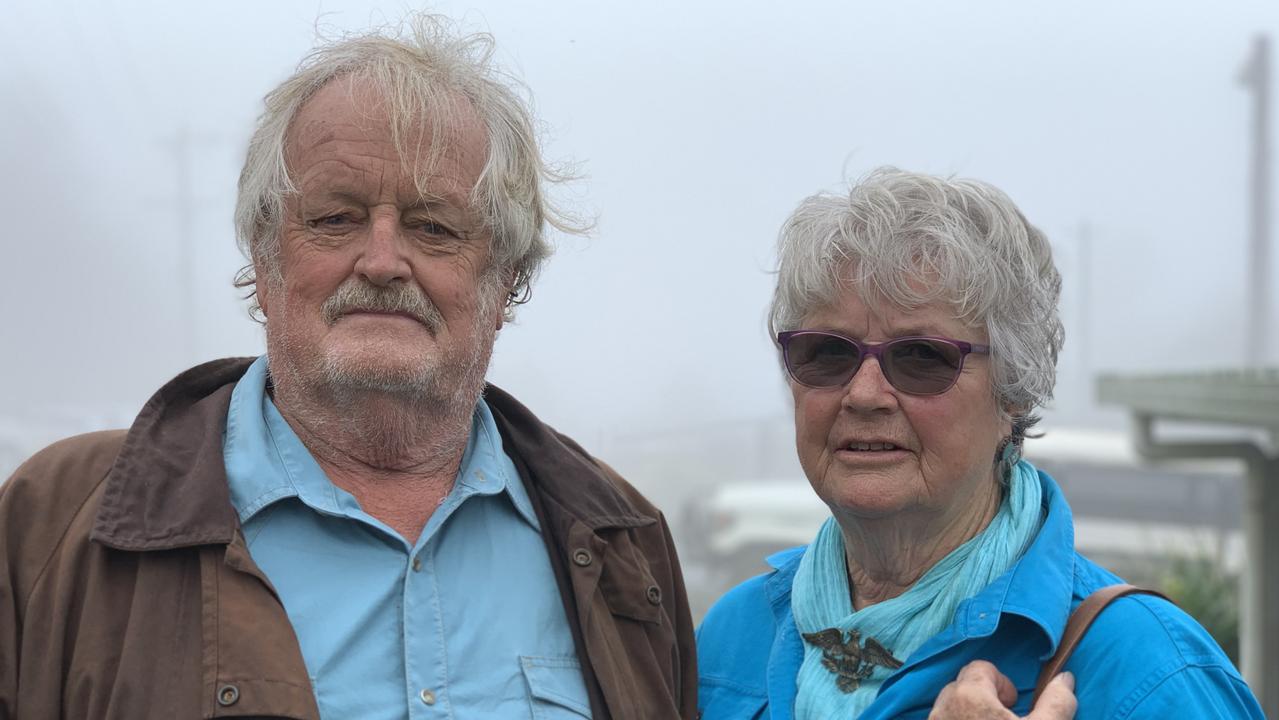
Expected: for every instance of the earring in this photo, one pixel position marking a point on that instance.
(1007, 451)
(1006, 456)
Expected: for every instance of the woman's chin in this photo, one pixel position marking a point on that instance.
(868, 501)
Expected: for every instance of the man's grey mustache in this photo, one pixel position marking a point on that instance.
(359, 295)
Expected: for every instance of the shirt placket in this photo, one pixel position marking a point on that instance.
(426, 657)
(425, 653)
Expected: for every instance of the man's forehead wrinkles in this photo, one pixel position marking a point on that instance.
(339, 181)
(338, 158)
(331, 172)
(343, 151)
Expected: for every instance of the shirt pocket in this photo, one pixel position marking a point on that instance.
(556, 690)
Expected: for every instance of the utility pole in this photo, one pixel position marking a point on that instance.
(1084, 269)
(185, 205)
(1259, 626)
(184, 275)
(1256, 77)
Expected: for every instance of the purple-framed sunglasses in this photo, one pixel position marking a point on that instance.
(917, 365)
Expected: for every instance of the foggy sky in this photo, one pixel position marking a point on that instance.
(697, 127)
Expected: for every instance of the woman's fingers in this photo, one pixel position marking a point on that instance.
(1058, 700)
(981, 692)
(985, 675)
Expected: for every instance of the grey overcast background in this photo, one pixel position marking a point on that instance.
(1120, 128)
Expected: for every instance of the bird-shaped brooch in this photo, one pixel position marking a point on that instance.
(850, 661)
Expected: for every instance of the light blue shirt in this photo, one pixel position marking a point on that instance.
(1142, 659)
(467, 623)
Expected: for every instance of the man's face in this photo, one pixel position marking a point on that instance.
(380, 289)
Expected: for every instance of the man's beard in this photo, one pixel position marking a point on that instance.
(448, 382)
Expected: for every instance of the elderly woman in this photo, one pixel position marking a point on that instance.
(917, 321)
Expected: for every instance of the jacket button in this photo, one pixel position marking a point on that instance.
(228, 695)
(582, 557)
(654, 595)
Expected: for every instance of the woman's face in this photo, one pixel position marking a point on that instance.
(942, 467)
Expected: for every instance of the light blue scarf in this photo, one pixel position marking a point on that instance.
(820, 600)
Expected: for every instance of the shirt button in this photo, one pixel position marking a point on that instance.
(654, 595)
(427, 696)
(582, 557)
(417, 564)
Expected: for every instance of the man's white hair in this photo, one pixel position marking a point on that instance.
(421, 69)
(910, 239)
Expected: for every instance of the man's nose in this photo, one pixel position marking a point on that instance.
(383, 258)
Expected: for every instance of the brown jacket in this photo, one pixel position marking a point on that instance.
(127, 591)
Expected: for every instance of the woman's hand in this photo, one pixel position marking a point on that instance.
(981, 692)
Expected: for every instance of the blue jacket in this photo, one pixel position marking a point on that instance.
(1142, 658)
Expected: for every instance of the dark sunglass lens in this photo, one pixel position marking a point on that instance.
(821, 360)
(923, 367)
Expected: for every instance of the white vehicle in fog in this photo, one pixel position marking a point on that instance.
(745, 522)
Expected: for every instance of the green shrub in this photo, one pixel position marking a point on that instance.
(1209, 594)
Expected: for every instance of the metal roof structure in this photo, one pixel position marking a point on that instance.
(1241, 398)
(1237, 397)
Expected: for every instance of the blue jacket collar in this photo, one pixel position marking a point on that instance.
(787, 653)
(1040, 586)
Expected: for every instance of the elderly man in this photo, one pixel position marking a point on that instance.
(354, 525)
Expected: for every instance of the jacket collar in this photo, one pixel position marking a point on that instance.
(168, 486)
(560, 469)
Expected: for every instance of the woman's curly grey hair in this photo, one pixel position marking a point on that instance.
(910, 239)
(421, 69)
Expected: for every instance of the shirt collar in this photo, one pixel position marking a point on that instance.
(486, 469)
(266, 461)
(1039, 587)
(778, 585)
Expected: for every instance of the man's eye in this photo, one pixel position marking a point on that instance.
(331, 221)
(431, 227)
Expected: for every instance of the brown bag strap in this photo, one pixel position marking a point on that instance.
(1078, 624)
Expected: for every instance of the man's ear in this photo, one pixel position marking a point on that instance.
(503, 303)
(261, 285)
(507, 291)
